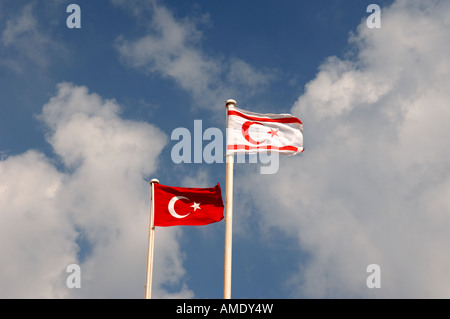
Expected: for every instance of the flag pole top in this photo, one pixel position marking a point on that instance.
(230, 101)
(154, 180)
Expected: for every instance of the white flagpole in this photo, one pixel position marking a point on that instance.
(229, 104)
(151, 242)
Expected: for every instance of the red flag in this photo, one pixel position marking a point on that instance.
(182, 206)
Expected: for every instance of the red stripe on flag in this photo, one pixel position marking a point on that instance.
(292, 119)
(263, 147)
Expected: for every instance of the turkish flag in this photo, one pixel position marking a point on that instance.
(182, 206)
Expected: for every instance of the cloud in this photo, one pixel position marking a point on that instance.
(23, 41)
(38, 240)
(373, 183)
(171, 48)
(17, 27)
(92, 211)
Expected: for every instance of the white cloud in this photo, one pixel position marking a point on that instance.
(102, 197)
(37, 239)
(16, 27)
(23, 41)
(372, 185)
(171, 49)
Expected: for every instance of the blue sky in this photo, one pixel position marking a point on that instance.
(87, 114)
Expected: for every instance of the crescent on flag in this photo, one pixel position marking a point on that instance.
(172, 207)
(246, 134)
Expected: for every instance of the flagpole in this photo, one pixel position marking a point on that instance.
(151, 242)
(229, 104)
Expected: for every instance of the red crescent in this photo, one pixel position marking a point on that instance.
(245, 128)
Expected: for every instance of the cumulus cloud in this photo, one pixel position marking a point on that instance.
(38, 240)
(93, 211)
(171, 49)
(373, 183)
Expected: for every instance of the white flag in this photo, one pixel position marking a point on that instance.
(249, 132)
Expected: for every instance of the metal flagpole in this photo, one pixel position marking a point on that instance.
(229, 104)
(151, 242)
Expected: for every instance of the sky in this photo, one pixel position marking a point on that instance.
(87, 114)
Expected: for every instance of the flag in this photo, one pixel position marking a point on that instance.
(182, 206)
(249, 132)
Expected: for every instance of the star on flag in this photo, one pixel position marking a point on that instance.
(196, 206)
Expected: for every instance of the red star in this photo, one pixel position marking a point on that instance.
(273, 133)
